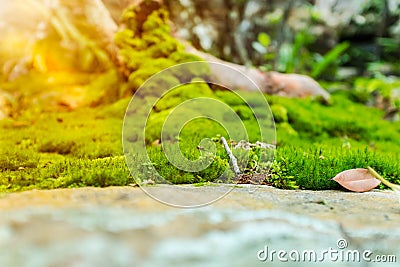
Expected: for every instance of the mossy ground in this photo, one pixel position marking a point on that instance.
(83, 148)
(65, 149)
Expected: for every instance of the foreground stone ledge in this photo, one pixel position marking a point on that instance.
(122, 226)
(377, 208)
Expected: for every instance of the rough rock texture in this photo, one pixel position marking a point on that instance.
(289, 85)
(295, 85)
(122, 226)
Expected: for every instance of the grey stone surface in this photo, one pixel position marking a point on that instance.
(122, 226)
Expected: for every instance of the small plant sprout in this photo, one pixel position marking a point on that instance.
(394, 187)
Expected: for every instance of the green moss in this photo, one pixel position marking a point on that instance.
(17, 158)
(343, 118)
(316, 143)
(286, 130)
(148, 48)
(68, 173)
(244, 112)
(217, 171)
(280, 113)
(230, 98)
(313, 167)
(116, 110)
(196, 88)
(50, 152)
(83, 148)
(59, 147)
(280, 176)
(183, 57)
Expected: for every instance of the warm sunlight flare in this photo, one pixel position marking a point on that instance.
(199, 132)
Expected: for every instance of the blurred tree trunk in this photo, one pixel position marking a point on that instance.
(84, 28)
(383, 27)
(116, 7)
(58, 55)
(282, 30)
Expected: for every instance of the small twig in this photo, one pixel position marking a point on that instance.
(231, 156)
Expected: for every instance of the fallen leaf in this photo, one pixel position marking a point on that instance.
(357, 180)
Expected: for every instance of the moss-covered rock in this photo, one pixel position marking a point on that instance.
(280, 113)
(146, 44)
(287, 129)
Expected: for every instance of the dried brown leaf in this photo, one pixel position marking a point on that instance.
(357, 180)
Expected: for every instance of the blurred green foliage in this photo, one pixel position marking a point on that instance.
(297, 57)
(365, 87)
